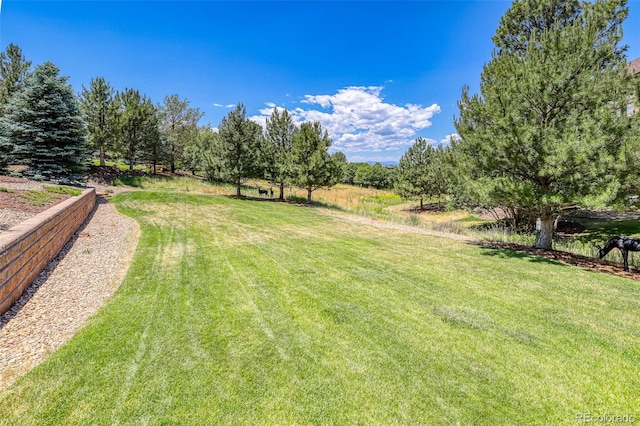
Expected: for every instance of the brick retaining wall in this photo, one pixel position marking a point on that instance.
(28, 247)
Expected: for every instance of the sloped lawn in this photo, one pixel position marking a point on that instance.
(244, 312)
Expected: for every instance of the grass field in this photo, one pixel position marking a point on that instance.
(245, 312)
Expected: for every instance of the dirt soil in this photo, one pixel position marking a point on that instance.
(14, 200)
(568, 259)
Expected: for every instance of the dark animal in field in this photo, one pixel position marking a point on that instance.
(262, 192)
(624, 244)
(271, 192)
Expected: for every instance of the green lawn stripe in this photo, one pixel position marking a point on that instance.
(240, 312)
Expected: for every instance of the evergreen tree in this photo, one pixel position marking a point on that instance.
(278, 138)
(137, 128)
(210, 152)
(99, 106)
(180, 125)
(340, 164)
(350, 170)
(313, 168)
(193, 153)
(240, 147)
(154, 139)
(44, 128)
(546, 131)
(14, 70)
(421, 172)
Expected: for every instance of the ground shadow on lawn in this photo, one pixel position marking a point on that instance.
(509, 250)
(294, 201)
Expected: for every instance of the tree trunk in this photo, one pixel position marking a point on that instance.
(102, 156)
(173, 167)
(421, 205)
(281, 197)
(545, 240)
(308, 195)
(238, 188)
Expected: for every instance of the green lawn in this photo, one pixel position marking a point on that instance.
(245, 312)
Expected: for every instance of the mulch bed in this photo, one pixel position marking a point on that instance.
(106, 174)
(15, 200)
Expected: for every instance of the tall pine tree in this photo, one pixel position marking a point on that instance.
(180, 125)
(14, 70)
(99, 105)
(44, 129)
(278, 140)
(421, 172)
(138, 132)
(545, 131)
(239, 146)
(312, 165)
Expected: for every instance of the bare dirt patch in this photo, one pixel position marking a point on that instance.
(567, 259)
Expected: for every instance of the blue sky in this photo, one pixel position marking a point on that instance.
(377, 75)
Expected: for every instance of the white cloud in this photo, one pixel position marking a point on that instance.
(452, 137)
(224, 106)
(359, 120)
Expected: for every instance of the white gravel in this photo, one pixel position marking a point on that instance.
(72, 287)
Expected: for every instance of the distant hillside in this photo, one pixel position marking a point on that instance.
(384, 163)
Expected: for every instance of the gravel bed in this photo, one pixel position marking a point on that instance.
(10, 218)
(68, 291)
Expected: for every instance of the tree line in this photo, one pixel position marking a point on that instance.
(51, 131)
(553, 126)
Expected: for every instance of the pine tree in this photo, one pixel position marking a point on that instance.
(313, 168)
(180, 125)
(420, 172)
(209, 147)
(546, 131)
(44, 128)
(240, 147)
(278, 138)
(138, 132)
(14, 70)
(99, 106)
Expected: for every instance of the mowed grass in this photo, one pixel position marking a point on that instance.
(245, 312)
